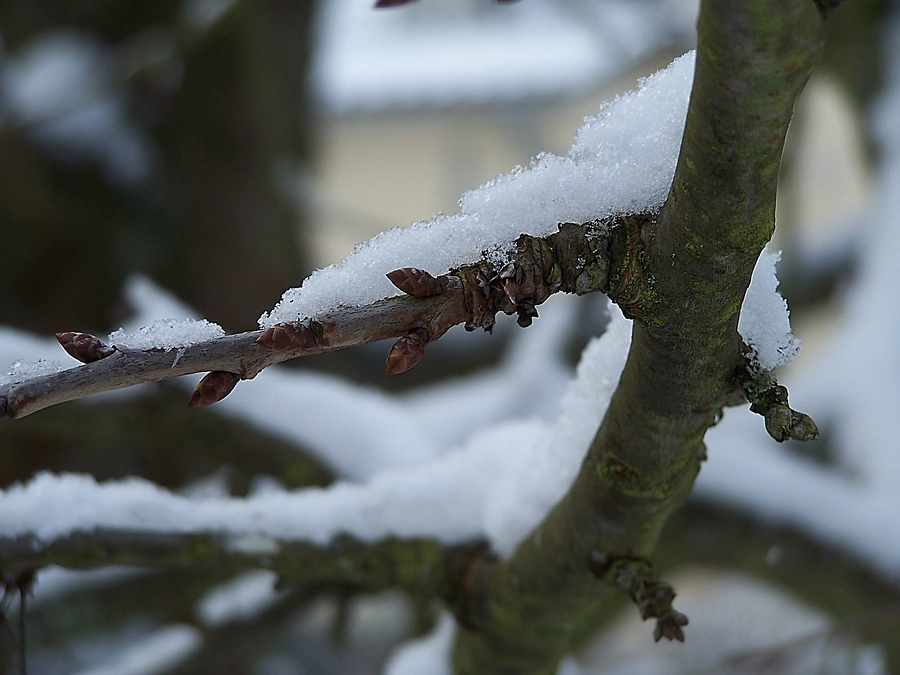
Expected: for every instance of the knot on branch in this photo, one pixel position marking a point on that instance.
(84, 347)
(652, 595)
(770, 399)
(575, 259)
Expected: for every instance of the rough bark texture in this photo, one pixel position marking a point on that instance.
(688, 274)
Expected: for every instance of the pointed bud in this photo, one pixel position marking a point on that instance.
(415, 282)
(406, 353)
(213, 388)
(385, 4)
(803, 428)
(669, 626)
(84, 347)
(284, 336)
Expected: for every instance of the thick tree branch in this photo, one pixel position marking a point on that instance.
(422, 567)
(688, 274)
(576, 259)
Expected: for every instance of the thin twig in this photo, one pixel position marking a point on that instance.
(574, 259)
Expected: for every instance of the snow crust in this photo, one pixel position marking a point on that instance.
(765, 320)
(167, 334)
(19, 371)
(622, 161)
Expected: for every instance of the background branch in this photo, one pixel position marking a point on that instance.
(422, 567)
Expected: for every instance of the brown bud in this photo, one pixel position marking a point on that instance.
(669, 626)
(406, 352)
(296, 335)
(213, 388)
(415, 282)
(84, 347)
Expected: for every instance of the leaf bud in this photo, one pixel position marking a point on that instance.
(84, 347)
(285, 336)
(406, 352)
(415, 282)
(213, 388)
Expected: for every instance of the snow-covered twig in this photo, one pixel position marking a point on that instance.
(575, 259)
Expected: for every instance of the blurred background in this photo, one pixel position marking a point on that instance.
(225, 148)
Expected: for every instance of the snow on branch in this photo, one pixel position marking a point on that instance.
(496, 487)
(575, 259)
(621, 163)
(765, 323)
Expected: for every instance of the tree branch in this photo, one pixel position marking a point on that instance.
(688, 272)
(579, 258)
(422, 567)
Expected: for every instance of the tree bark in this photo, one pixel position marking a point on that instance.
(688, 275)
